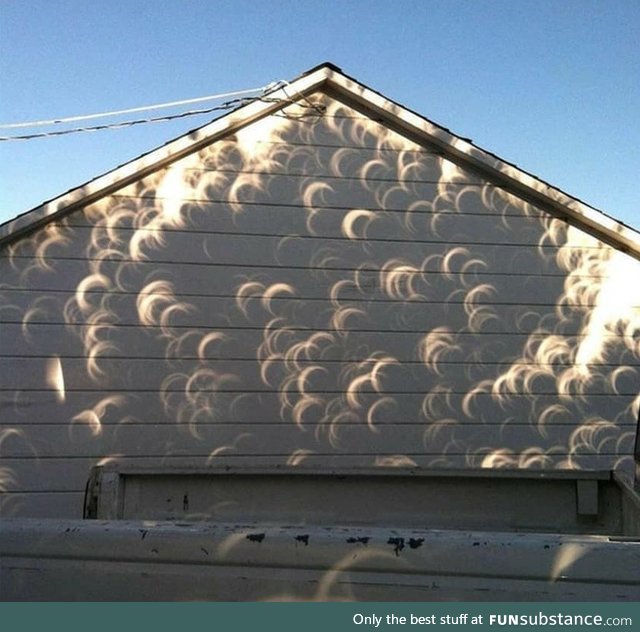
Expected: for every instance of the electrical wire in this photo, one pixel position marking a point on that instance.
(227, 105)
(144, 108)
(95, 128)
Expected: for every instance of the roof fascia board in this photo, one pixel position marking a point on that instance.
(159, 158)
(511, 177)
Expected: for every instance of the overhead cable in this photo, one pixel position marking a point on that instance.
(144, 108)
(95, 128)
(227, 105)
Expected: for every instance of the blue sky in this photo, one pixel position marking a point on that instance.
(552, 86)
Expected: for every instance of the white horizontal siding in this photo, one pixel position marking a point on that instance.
(244, 376)
(321, 291)
(206, 441)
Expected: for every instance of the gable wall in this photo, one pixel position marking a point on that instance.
(314, 291)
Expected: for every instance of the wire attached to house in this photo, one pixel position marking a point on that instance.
(227, 105)
(95, 128)
(144, 108)
(319, 108)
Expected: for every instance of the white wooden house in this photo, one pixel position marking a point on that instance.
(318, 279)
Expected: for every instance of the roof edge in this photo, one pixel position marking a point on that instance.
(161, 156)
(511, 177)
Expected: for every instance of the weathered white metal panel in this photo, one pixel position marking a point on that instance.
(122, 560)
(314, 289)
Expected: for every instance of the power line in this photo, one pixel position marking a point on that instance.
(86, 117)
(94, 128)
(227, 105)
(117, 125)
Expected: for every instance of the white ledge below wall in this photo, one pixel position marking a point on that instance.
(144, 560)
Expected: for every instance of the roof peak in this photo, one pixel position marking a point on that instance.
(325, 64)
(413, 124)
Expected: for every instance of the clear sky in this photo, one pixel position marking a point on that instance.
(550, 85)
